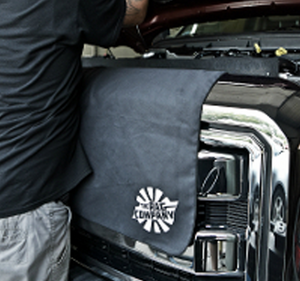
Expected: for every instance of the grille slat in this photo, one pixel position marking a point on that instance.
(232, 215)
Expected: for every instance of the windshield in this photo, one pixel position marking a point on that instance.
(235, 26)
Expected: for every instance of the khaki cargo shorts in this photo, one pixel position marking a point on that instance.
(35, 246)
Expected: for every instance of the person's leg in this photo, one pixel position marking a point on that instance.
(35, 246)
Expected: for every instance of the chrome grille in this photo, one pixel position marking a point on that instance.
(225, 215)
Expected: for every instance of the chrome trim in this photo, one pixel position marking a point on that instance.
(213, 235)
(225, 162)
(248, 141)
(207, 251)
(268, 170)
(247, 118)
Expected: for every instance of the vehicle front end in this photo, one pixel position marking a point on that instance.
(247, 224)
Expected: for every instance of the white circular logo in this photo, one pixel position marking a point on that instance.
(155, 212)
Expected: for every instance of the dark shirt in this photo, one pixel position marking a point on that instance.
(40, 69)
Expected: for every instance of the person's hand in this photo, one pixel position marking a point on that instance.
(135, 12)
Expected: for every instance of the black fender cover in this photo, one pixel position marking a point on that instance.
(140, 130)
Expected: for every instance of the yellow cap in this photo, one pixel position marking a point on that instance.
(281, 51)
(257, 48)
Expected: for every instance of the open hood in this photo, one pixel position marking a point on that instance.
(164, 14)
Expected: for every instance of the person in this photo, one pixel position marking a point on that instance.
(41, 159)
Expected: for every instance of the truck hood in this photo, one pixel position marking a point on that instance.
(163, 14)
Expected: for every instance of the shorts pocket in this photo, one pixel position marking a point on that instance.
(60, 220)
(13, 246)
(61, 267)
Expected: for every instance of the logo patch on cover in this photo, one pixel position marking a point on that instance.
(155, 212)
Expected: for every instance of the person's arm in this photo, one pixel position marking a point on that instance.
(135, 12)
